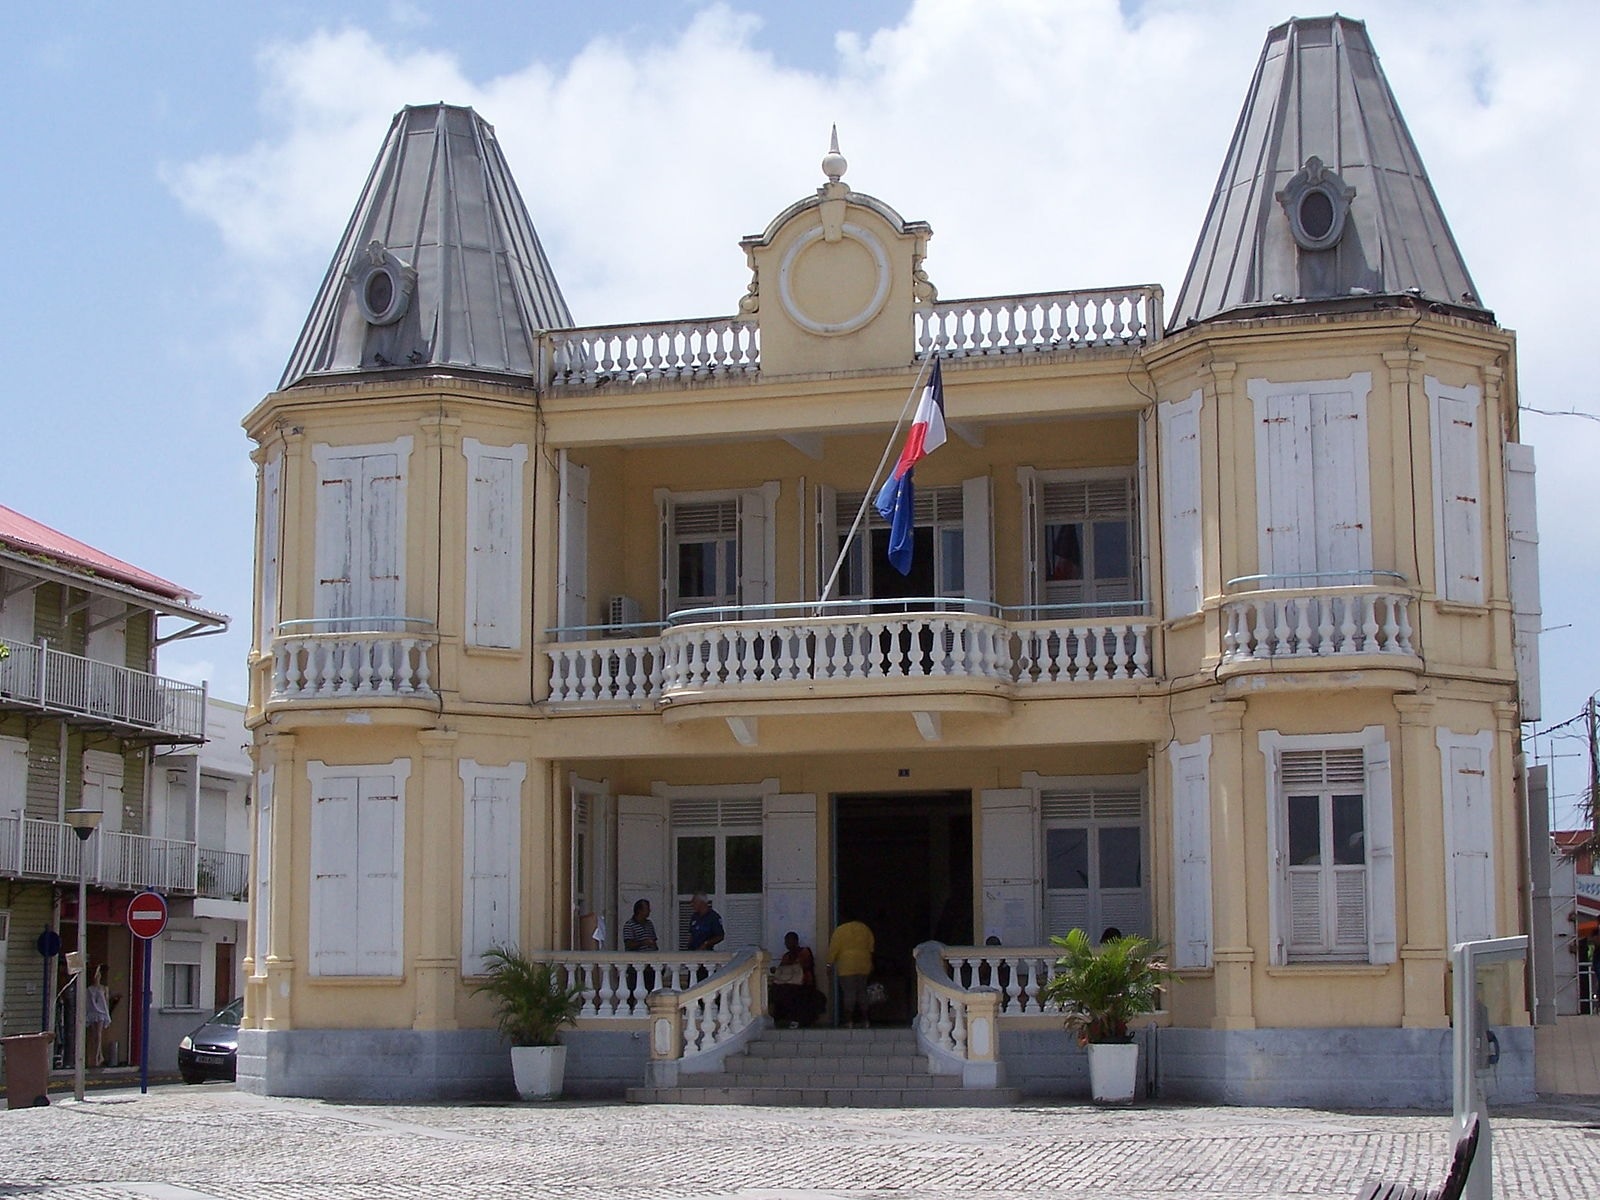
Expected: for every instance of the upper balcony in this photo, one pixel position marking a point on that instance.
(353, 658)
(31, 848)
(83, 691)
(908, 647)
(1318, 623)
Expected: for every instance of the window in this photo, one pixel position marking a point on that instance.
(715, 549)
(1083, 550)
(361, 532)
(1331, 827)
(938, 557)
(718, 850)
(357, 868)
(1095, 873)
(180, 973)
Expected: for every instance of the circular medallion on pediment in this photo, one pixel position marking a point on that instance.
(832, 288)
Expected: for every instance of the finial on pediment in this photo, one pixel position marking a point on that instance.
(833, 163)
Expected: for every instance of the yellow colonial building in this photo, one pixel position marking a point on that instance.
(1217, 628)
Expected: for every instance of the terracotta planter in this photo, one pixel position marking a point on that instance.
(1113, 1071)
(538, 1071)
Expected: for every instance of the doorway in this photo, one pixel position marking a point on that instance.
(902, 863)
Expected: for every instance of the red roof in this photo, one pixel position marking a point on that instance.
(18, 532)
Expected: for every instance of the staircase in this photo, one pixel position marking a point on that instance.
(828, 1068)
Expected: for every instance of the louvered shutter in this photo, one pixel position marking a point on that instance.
(1526, 607)
(1382, 937)
(334, 930)
(1009, 826)
(380, 852)
(1182, 553)
(1191, 835)
(1469, 834)
(642, 860)
(789, 866)
(573, 547)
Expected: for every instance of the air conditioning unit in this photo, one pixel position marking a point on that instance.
(622, 612)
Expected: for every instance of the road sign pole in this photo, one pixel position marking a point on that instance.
(144, 1025)
(147, 917)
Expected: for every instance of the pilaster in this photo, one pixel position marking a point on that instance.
(282, 752)
(1409, 485)
(1234, 955)
(1419, 829)
(437, 585)
(435, 865)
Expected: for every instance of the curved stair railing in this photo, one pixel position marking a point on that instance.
(693, 1031)
(957, 1028)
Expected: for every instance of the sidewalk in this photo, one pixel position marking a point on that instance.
(212, 1141)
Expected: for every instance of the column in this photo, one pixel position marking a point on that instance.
(434, 868)
(288, 871)
(1419, 841)
(1231, 870)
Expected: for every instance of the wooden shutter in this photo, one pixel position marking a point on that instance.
(1182, 552)
(380, 536)
(1191, 836)
(1458, 508)
(16, 610)
(1522, 526)
(271, 536)
(1283, 485)
(789, 867)
(1341, 525)
(494, 552)
(380, 898)
(756, 558)
(977, 541)
(333, 877)
(642, 860)
(1032, 532)
(491, 853)
(102, 787)
(668, 582)
(13, 785)
(1469, 834)
(573, 548)
(1382, 940)
(1009, 828)
(336, 537)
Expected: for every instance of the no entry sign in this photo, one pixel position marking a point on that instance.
(147, 915)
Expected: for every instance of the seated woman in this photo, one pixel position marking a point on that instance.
(793, 990)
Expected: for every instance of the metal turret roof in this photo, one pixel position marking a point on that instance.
(1322, 195)
(439, 267)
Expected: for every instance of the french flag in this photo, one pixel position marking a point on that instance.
(896, 501)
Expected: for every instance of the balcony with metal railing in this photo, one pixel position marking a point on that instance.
(908, 646)
(49, 851)
(83, 691)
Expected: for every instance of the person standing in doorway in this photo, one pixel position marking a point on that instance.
(705, 924)
(97, 1018)
(850, 955)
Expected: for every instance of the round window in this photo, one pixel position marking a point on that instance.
(1316, 214)
(382, 285)
(379, 292)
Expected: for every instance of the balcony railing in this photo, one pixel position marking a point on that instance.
(50, 850)
(718, 347)
(700, 656)
(356, 660)
(1316, 623)
(71, 685)
(222, 875)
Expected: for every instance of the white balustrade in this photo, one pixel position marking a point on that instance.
(368, 664)
(696, 349)
(694, 1030)
(1018, 974)
(609, 670)
(957, 1027)
(70, 683)
(1057, 652)
(1316, 623)
(617, 984)
(1042, 322)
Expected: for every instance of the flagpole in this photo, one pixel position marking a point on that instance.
(916, 391)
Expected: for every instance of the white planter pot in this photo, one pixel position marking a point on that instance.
(538, 1071)
(1113, 1072)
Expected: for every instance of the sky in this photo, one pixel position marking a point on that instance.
(178, 175)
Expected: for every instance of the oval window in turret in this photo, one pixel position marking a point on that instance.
(380, 292)
(382, 285)
(1316, 214)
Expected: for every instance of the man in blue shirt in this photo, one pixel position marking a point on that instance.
(705, 925)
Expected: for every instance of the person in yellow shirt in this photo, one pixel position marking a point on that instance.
(850, 956)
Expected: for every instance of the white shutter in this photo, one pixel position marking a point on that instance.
(1468, 834)
(361, 529)
(1182, 552)
(789, 867)
(16, 610)
(333, 877)
(977, 555)
(1380, 878)
(1191, 837)
(491, 860)
(756, 551)
(13, 780)
(668, 561)
(1341, 525)
(1284, 490)
(1522, 524)
(1032, 531)
(494, 551)
(1457, 492)
(380, 854)
(1009, 828)
(573, 546)
(827, 537)
(379, 536)
(102, 787)
(336, 537)
(261, 894)
(271, 517)
(642, 859)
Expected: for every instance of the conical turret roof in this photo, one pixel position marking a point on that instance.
(439, 267)
(1323, 195)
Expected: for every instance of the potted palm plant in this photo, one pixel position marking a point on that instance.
(1102, 988)
(532, 1003)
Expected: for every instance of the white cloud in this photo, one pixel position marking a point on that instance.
(1051, 145)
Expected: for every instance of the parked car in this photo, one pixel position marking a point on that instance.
(209, 1052)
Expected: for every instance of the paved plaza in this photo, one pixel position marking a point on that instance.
(180, 1143)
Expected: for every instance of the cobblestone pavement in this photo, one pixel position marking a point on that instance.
(181, 1143)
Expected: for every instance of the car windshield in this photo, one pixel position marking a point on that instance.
(231, 1015)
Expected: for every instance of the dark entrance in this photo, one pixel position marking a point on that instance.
(903, 864)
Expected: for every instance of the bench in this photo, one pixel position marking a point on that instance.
(1454, 1183)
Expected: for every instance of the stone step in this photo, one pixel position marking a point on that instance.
(802, 1078)
(838, 1043)
(866, 1064)
(889, 1097)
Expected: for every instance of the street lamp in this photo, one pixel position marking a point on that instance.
(83, 822)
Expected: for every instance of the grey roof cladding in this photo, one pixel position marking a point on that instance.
(1319, 92)
(442, 207)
